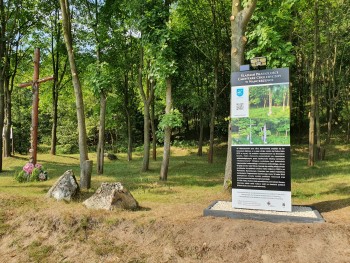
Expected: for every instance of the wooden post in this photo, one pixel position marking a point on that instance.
(35, 108)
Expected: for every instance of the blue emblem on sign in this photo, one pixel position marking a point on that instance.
(240, 92)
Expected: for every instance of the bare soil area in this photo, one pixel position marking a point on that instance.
(60, 232)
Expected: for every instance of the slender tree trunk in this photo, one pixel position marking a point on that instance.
(127, 113)
(8, 119)
(2, 72)
(128, 120)
(146, 98)
(101, 134)
(146, 138)
(313, 81)
(56, 82)
(200, 140)
(154, 135)
(9, 83)
(212, 118)
(54, 125)
(239, 20)
(85, 164)
(167, 134)
(329, 125)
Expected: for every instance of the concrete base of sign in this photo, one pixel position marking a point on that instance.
(299, 214)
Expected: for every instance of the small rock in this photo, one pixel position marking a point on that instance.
(110, 196)
(65, 188)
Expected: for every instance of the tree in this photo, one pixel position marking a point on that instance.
(167, 68)
(59, 71)
(313, 97)
(85, 164)
(239, 21)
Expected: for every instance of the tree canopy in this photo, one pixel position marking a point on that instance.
(127, 52)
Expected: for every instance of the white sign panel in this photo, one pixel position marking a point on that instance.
(240, 102)
(262, 199)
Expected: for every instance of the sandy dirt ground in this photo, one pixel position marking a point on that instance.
(169, 233)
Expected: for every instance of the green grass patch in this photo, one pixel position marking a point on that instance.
(39, 252)
(190, 177)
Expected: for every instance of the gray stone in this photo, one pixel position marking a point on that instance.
(110, 196)
(65, 188)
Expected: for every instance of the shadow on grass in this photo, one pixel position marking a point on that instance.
(20, 158)
(328, 206)
(340, 189)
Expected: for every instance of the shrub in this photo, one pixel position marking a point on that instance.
(31, 173)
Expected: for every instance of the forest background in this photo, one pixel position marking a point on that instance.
(152, 67)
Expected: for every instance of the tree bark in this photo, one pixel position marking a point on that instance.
(146, 98)
(212, 117)
(8, 119)
(128, 115)
(239, 21)
(57, 78)
(200, 140)
(167, 134)
(101, 134)
(85, 174)
(2, 72)
(153, 128)
(313, 101)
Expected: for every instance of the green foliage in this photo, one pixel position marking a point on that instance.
(172, 120)
(100, 76)
(269, 33)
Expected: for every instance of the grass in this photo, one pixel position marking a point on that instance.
(192, 183)
(328, 181)
(190, 176)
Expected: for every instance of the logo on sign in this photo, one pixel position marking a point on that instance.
(239, 92)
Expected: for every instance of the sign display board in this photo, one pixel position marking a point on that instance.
(260, 117)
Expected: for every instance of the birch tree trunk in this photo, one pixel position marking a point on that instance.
(101, 134)
(85, 164)
(2, 71)
(313, 98)
(167, 134)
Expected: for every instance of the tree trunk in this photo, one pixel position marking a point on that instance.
(54, 120)
(200, 140)
(167, 134)
(154, 135)
(146, 138)
(313, 82)
(146, 98)
(8, 120)
(212, 118)
(101, 134)
(2, 72)
(128, 115)
(239, 20)
(85, 173)
(128, 120)
(57, 79)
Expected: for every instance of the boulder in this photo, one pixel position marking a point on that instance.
(110, 196)
(65, 188)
